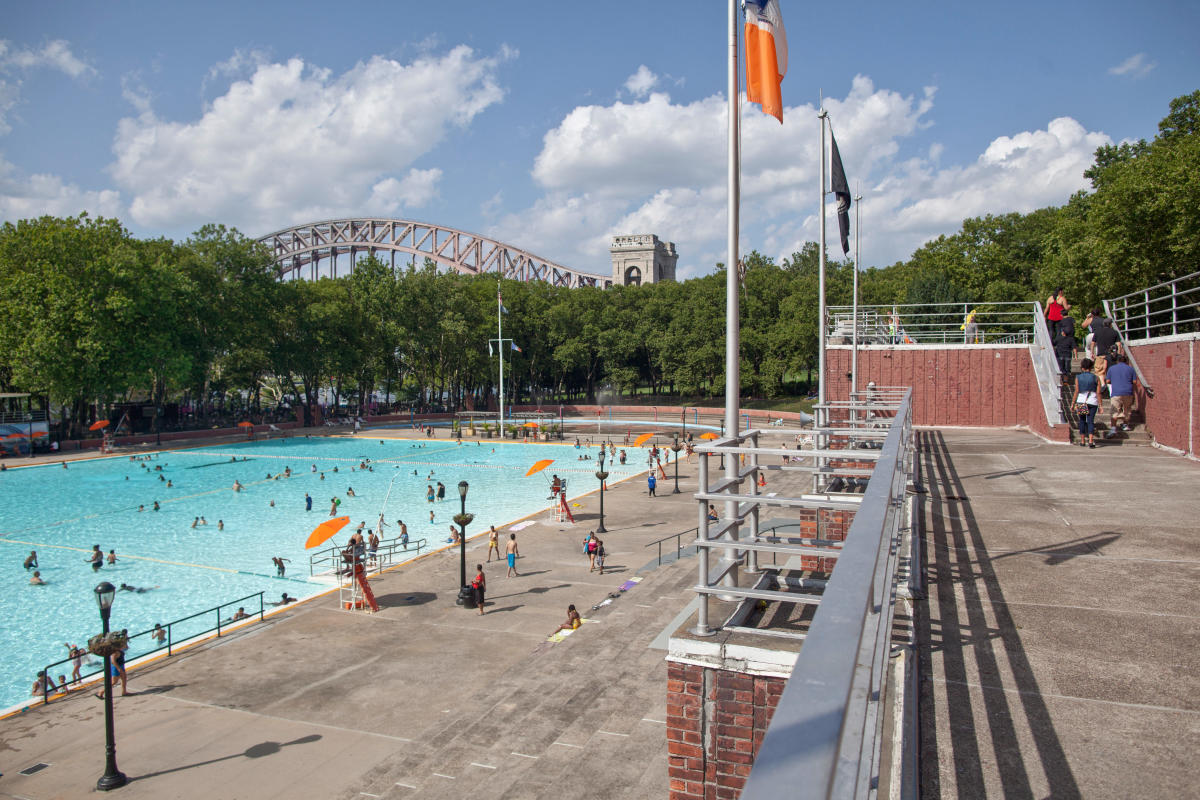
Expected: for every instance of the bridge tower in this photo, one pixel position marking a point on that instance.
(642, 258)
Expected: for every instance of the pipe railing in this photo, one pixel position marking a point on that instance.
(679, 548)
(1165, 309)
(931, 323)
(826, 734)
(170, 638)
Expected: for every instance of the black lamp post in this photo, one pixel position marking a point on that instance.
(462, 519)
(112, 778)
(602, 475)
(676, 447)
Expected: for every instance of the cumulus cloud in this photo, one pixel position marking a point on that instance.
(656, 166)
(641, 82)
(293, 142)
(389, 196)
(1136, 66)
(26, 196)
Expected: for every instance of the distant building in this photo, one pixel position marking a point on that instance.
(642, 258)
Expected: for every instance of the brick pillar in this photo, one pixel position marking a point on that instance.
(716, 719)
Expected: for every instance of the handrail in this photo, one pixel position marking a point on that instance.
(929, 323)
(168, 644)
(1046, 369)
(678, 540)
(332, 556)
(825, 736)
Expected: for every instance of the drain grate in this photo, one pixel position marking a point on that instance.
(38, 767)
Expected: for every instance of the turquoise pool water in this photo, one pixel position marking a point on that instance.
(61, 513)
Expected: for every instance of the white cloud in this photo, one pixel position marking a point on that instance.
(1136, 66)
(389, 196)
(654, 166)
(55, 55)
(292, 142)
(26, 196)
(641, 82)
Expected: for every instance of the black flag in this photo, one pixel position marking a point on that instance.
(841, 190)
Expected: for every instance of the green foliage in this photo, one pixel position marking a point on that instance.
(93, 315)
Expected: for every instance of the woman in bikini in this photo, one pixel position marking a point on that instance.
(493, 544)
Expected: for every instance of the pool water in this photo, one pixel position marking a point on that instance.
(62, 513)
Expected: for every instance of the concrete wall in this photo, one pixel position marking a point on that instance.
(1172, 415)
(991, 386)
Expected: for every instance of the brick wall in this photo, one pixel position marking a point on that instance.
(716, 719)
(970, 386)
(1173, 415)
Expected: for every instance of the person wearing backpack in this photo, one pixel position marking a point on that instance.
(589, 549)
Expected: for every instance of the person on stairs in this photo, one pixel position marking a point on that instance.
(1087, 396)
(1122, 380)
(1064, 350)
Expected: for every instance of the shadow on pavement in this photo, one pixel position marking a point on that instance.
(955, 555)
(260, 750)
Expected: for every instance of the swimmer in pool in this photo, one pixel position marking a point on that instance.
(125, 587)
(283, 601)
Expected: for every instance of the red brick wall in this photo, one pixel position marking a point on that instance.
(991, 387)
(716, 720)
(1167, 367)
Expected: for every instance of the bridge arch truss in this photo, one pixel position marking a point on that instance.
(333, 247)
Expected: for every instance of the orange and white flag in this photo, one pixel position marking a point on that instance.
(766, 55)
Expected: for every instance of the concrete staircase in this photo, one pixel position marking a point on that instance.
(1105, 435)
(584, 717)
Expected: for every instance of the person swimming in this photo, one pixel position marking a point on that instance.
(125, 587)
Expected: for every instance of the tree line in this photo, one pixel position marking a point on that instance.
(94, 316)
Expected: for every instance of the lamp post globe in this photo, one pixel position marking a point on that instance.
(112, 778)
(463, 519)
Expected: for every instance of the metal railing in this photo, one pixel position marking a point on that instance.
(1165, 309)
(679, 548)
(931, 323)
(175, 633)
(329, 561)
(826, 734)
(1046, 369)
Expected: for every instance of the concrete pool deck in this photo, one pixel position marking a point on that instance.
(1058, 643)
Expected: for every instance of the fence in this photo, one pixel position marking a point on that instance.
(826, 733)
(174, 633)
(931, 323)
(329, 560)
(1165, 309)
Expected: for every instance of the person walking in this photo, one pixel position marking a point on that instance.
(493, 544)
(1087, 399)
(651, 482)
(1122, 380)
(1064, 351)
(478, 587)
(511, 553)
(600, 554)
(590, 548)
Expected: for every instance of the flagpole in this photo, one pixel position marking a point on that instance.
(821, 416)
(854, 335)
(500, 347)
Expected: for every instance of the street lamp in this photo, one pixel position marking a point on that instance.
(112, 778)
(601, 475)
(676, 447)
(462, 519)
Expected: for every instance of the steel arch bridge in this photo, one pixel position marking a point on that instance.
(314, 250)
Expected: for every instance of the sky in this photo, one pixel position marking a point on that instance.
(554, 126)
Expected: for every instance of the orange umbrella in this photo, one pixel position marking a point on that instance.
(645, 437)
(324, 531)
(709, 435)
(36, 434)
(539, 466)
(245, 424)
(530, 425)
(17, 435)
(98, 424)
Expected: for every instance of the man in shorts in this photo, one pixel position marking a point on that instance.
(1121, 382)
(511, 552)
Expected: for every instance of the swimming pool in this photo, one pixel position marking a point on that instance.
(62, 513)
